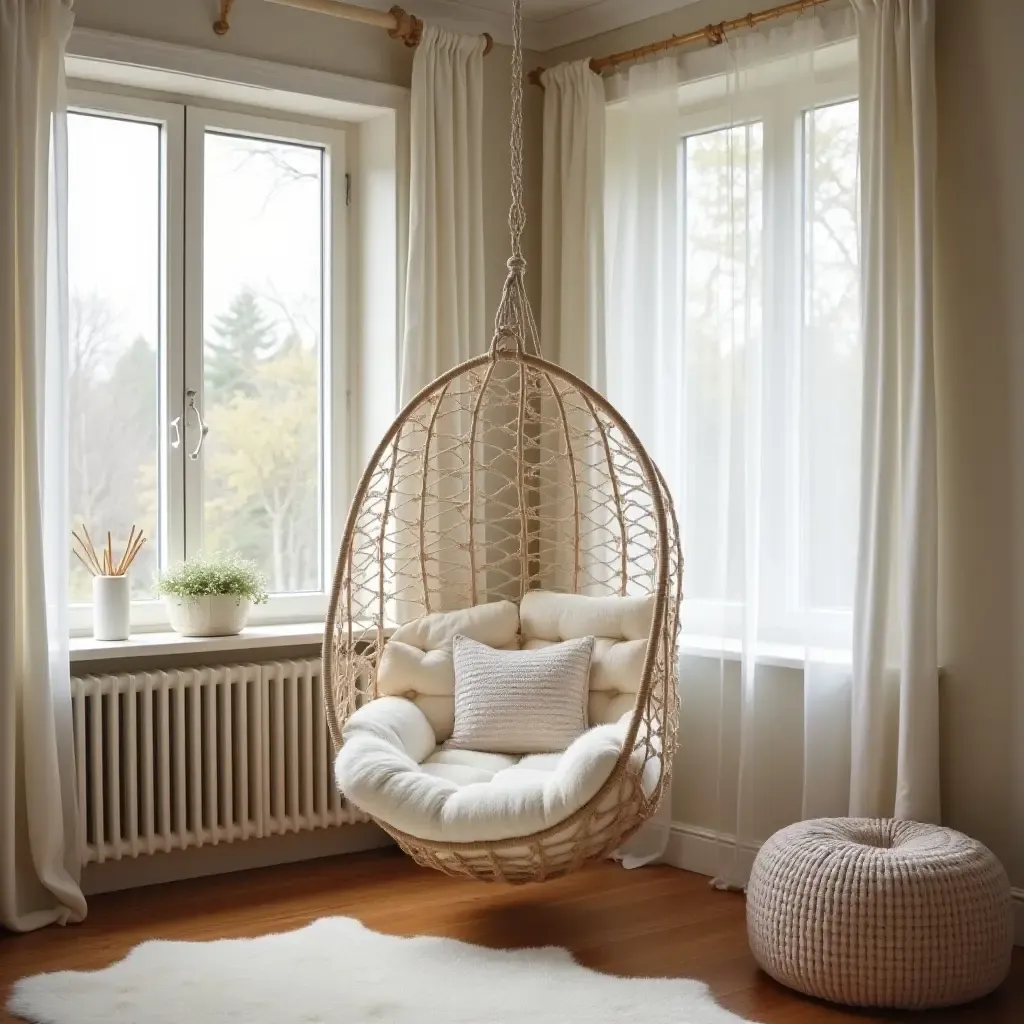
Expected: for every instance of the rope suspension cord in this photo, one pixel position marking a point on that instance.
(514, 323)
(398, 23)
(713, 35)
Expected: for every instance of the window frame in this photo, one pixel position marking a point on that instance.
(781, 108)
(182, 126)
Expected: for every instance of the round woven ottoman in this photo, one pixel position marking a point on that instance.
(880, 913)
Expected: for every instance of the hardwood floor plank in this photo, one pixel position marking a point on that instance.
(653, 922)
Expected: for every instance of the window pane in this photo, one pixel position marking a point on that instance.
(114, 267)
(262, 318)
(723, 197)
(832, 355)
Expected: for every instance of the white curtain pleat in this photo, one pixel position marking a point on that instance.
(445, 322)
(572, 234)
(39, 866)
(445, 317)
(895, 696)
(642, 308)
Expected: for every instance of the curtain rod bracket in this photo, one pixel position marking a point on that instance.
(715, 34)
(408, 27)
(221, 25)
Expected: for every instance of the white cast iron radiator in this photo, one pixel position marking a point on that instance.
(194, 756)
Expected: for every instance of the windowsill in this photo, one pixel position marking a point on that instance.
(149, 645)
(307, 634)
(774, 655)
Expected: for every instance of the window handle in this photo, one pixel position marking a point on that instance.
(203, 428)
(175, 426)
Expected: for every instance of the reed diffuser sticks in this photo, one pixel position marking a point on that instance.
(103, 564)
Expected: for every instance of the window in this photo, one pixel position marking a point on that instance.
(754, 410)
(771, 314)
(209, 382)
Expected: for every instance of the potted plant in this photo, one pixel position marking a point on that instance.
(211, 595)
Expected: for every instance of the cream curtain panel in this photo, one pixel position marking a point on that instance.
(895, 750)
(572, 228)
(445, 316)
(38, 839)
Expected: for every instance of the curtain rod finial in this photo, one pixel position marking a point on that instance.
(489, 44)
(535, 77)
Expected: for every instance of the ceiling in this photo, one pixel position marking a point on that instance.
(546, 23)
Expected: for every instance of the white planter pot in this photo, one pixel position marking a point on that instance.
(216, 615)
(111, 607)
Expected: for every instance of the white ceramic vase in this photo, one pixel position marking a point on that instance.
(214, 615)
(111, 607)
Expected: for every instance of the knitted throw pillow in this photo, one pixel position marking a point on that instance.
(520, 702)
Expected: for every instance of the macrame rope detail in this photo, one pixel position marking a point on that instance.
(514, 324)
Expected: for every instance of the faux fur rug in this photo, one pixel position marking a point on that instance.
(335, 971)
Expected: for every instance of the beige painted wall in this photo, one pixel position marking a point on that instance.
(980, 366)
(980, 353)
(288, 36)
(980, 242)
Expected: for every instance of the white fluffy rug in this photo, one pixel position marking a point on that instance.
(335, 971)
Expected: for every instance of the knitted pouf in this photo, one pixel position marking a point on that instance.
(880, 913)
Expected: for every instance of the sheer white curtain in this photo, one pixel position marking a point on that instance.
(896, 693)
(733, 343)
(445, 318)
(39, 864)
(573, 299)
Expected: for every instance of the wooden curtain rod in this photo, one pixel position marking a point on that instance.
(398, 23)
(713, 35)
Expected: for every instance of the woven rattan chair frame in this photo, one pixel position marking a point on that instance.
(507, 474)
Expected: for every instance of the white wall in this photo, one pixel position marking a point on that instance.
(980, 266)
(288, 36)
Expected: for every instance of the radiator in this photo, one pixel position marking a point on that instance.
(185, 758)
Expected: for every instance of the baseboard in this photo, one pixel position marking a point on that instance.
(224, 858)
(700, 850)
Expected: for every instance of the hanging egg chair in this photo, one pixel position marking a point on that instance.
(509, 502)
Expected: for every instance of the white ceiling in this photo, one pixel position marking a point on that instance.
(546, 23)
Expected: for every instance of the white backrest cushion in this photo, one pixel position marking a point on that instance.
(495, 624)
(546, 615)
(417, 660)
(621, 625)
(520, 702)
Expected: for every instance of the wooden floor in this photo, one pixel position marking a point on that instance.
(657, 921)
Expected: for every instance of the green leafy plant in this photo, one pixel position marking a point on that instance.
(208, 575)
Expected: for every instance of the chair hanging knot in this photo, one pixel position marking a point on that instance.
(517, 264)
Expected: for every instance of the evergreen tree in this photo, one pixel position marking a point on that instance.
(244, 336)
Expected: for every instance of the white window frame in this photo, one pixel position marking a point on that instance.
(780, 107)
(183, 125)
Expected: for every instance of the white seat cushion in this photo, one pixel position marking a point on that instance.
(390, 767)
